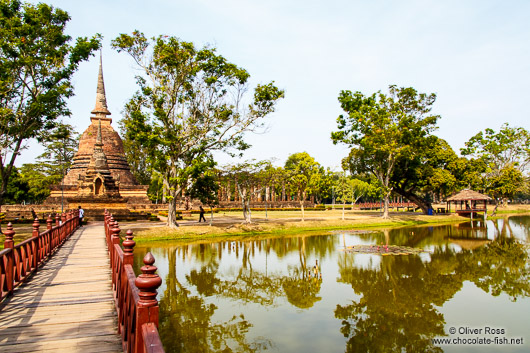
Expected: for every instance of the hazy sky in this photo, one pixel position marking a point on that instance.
(475, 55)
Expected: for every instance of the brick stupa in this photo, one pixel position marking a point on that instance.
(100, 176)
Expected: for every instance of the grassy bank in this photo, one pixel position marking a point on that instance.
(229, 226)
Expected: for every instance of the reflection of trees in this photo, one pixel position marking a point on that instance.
(500, 267)
(398, 307)
(301, 288)
(186, 319)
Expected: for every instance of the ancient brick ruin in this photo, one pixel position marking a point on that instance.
(100, 177)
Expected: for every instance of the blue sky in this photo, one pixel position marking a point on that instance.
(475, 55)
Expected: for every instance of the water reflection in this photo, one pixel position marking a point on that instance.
(246, 296)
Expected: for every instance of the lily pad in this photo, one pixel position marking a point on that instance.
(382, 249)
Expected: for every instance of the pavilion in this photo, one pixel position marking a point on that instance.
(469, 202)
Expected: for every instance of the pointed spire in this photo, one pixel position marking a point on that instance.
(101, 109)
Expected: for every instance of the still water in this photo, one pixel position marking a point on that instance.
(269, 295)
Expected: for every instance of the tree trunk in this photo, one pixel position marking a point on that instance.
(423, 204)
(245, 204)
(494, 212)
(302, 206)
(211, 215)
(172, 213)
(248, 216)
(385, 205)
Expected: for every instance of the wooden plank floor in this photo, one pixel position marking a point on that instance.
(67, 306)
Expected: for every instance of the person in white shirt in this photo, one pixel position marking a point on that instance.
(81, 215)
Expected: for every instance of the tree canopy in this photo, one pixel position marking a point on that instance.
(190, 102)
(381, 129)
(302, 172)
(504, 156)
(37, 62)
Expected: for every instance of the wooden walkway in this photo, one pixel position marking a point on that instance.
(67, 306)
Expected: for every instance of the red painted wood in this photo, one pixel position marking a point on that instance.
(18, 262)
(134, 297)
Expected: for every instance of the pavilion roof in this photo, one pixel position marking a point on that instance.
(470, 244)
(468, 195)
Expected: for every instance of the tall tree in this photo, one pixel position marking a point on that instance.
(505, 156)
(137, 154)
(36, 66)
(60, 146)
(430, 171)
(382, 128)
(190, 102)
(251, 177)
(205, 185)
(303, 172)
(510, 147)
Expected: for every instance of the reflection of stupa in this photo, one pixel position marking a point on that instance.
(100, 176)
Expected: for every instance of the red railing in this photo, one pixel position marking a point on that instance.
(134, 297)
(19, 261)
(378, 205)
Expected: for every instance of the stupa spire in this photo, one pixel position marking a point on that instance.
(98, 162)
(101, 109)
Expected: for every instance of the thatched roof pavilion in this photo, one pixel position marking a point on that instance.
(469, 202)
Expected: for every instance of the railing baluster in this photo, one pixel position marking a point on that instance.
(10, 265)
(35, 244)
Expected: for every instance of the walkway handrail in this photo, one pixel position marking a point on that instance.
(134, 297)
(18, 262)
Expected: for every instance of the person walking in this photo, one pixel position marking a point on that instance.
(81, 215)
(201, 214)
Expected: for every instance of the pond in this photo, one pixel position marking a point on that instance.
(314, 294)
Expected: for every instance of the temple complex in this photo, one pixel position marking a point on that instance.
(100, 176)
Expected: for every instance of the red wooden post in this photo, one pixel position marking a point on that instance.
(9, 244)
(49, 222)
(63, 230)
(128, 248)
(67, 220)
(35, 243)
(106, 219)
(147, 310)
(115, 239)
(57, 219)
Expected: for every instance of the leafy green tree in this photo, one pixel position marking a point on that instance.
(251, 177)
(36, 66)
(508, 147)
(303, 174)
(505, 156)
(60, 146)
(381, 129)
(136, 153)
(426, 173)
(358, 188)
(205, 186)
(190, 103)
(322, 184)
(17, 189)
